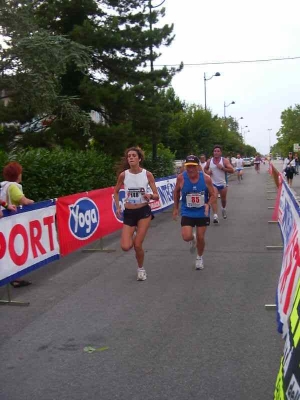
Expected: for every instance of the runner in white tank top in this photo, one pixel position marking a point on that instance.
(239, 167)
(137, 213)
(216, 168)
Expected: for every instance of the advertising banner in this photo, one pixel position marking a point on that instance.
(84, 218)
(28, 240)
(289, 221)
(288, 380)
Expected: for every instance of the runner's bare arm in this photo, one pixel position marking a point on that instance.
(210, 188)
(119, 183)
(176, 195)
(227, 166)
(206, 168)
(154, 195)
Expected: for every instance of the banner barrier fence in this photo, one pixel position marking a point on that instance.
(43, 232)
(287, 213)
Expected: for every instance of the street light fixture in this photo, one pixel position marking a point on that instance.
(208, 79)
(227, 105)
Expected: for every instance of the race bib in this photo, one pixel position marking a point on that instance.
(195, 200)
(135, 195)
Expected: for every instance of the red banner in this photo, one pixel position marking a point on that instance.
(85, 217)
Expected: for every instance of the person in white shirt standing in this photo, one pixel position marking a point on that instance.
(203, 161)
(137, 213)
(239, 162)
(216, 167)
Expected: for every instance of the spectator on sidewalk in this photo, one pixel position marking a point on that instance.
(288, 168)
(12, 194)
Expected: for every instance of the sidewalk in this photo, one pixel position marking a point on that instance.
(180, 335)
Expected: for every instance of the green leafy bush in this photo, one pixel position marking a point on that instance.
(51, 174)
(163, 165)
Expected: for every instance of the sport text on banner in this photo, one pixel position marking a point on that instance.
(28, 240)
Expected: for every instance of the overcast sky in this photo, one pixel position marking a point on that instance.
(232, 30)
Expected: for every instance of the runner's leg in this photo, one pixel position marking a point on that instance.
(127, 237)
(142, 228)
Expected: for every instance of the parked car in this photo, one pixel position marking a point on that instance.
(247, 162)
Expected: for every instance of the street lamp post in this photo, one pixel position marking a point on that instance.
(227, 105)
(243, 127)
(208, 79)
(245, 135)
(154, 140)
(269, 140)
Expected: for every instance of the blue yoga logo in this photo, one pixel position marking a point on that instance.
(84, 218)
(122, 196)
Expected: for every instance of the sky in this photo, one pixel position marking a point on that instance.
(234, 30)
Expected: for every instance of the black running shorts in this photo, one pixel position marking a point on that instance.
(131, 217)
(187, 221)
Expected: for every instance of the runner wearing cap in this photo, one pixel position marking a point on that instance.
(198, 194)
(137, 213)
(217, 167)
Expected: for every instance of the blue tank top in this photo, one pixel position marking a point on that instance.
(194, 196)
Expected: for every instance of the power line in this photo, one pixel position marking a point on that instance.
(229, 62)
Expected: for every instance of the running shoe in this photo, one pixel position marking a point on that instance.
(141, 275)
(219, 195)
(224, 214)
(199, 263)
(216, 219)
(193, 244)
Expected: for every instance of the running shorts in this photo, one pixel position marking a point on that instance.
(219, 187)
(132, 217)
(188, 221)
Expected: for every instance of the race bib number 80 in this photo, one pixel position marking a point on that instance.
(195, 200)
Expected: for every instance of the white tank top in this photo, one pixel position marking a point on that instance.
(239, 163)
(218, 176)
(203, 165)
(135, 186)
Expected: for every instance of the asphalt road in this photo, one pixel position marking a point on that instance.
(180, 335)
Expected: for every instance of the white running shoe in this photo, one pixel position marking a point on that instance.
(193, 244)
(224, 214)
(216, 219)
(141, 275)
(199, 263)
(219, 195)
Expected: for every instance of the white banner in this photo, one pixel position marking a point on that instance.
(165, 188)
(289, 221)
(28, 240)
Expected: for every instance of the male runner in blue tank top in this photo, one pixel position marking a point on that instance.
(198, 194)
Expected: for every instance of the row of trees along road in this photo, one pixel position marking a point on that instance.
(64, 58)
(289, 133)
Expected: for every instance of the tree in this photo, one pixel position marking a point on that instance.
(112, 81)
(289, 132)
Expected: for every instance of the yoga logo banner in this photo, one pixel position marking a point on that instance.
(85, 217)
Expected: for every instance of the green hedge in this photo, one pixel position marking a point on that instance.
(53, 173)
(50, 174)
